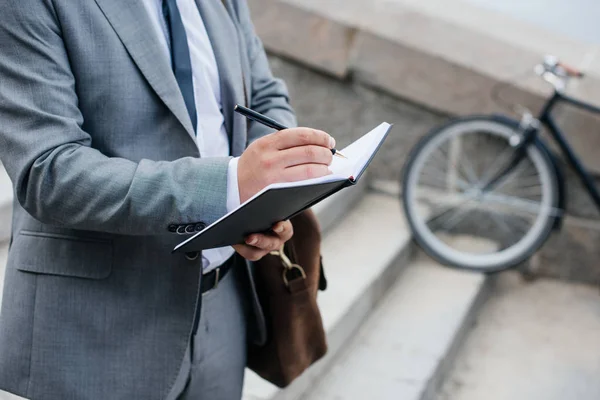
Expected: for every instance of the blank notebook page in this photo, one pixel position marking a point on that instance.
(359, 153)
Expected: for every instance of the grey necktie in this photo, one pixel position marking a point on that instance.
(180, 57)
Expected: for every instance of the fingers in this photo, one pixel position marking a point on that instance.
(284, 230)
(259, 245)
(306, 171)
(304, 155)
(266, 161)
(264, 242)
(249, 252)
(263, 245)
(302, 137)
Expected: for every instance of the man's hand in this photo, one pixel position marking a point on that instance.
(259, 245)
(285, 156)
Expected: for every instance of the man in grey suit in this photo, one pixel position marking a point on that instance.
(118, 132)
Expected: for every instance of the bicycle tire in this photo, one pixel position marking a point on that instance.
(541, 159)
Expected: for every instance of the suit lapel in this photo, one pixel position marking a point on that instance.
(223, 37)
(130, 21)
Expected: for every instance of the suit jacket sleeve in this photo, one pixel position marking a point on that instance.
(58, 177)
(269, 95)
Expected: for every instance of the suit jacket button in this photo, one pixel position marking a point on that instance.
(192, 256)
(172, 228)
(190, 228)
(200, 226)
(181, 229)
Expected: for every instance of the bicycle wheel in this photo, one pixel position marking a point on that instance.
(459, 222)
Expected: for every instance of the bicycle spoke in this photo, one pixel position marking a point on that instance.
(444, 212)
(524, 192)
(514, 227)
(447, 213)
(500, 222)
(508, 178)
(521, 204)
(517, 186)
(458, 164)
(462, 201)
(516, 221)
(445, 221)
(531, 192)
(442, 197)
(439, 213)
(511, 181)
(524, 185)
(433, 155)
(459, 182)
(434, 169)
(472, 175)
(456, 219)
(498, 161)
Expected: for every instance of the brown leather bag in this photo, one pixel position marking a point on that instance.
(287, 284)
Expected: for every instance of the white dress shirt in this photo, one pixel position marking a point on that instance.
(211, 136)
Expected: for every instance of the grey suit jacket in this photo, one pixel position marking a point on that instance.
(97, 140)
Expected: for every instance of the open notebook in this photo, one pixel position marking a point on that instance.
(281, 201)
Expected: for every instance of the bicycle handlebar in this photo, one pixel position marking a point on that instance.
(570, 71)
(557, 73)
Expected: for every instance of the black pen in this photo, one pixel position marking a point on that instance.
(271, 123)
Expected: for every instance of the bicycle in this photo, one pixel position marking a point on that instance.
(493, 179)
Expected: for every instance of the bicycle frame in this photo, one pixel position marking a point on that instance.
(547, 119)
(530, 132)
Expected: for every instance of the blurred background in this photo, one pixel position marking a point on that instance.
(575, 19)
(400, 325)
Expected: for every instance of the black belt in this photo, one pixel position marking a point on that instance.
(208, 282)
(211, 279)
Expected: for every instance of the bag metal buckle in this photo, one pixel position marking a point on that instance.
(288, 266)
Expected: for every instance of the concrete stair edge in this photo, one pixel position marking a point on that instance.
(350, 316)
(434, 366)
(6, 199)
(331, 210)
(439, 376)
(342, 333)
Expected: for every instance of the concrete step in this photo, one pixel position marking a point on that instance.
(3, 257)
(334, 208)
(8, 396)
(533, 340)
(6, 198)
(363, 255)
(405, 348)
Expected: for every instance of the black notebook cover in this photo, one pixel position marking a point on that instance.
(262, 212)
